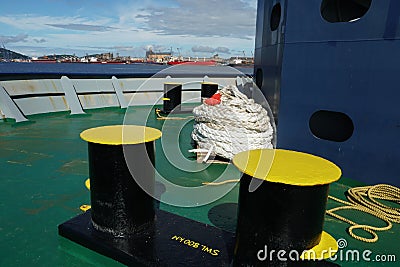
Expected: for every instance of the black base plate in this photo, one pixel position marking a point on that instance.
(171, 241)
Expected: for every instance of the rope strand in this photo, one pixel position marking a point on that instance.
(161, 117)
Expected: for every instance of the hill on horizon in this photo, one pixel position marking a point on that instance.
(6, 55)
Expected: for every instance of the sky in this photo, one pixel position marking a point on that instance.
(129, 27)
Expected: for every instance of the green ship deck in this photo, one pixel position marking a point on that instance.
(43, 169)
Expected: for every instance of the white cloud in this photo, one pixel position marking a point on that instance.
(82, 27)
(224, 26)
(208, 49)
(31, 22)
(206, 18)
(39, 41)
(13, 39)
(224, 50)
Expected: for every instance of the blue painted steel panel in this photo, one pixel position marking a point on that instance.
(359, 79)
(348, 67)
(304, 23)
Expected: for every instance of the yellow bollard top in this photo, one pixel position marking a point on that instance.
(121, 135)
(287, 167)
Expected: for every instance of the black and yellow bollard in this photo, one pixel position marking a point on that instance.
(208, 89)
(286, 212)
(124, 222)
(172, 97)
(121, 169)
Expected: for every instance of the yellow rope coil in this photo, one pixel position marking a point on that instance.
(364, 199)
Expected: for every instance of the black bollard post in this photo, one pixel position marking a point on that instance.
(172, 97)
(119, 192)
(208, 89)
(286, 212)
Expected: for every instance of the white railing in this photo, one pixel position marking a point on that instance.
(20, 98)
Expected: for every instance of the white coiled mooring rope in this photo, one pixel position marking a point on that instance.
(234, 125)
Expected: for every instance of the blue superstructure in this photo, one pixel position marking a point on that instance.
(330, 70)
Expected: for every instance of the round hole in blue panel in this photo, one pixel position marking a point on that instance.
(259, 78)
(275, 16)
(331, 125)
(344, 10)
